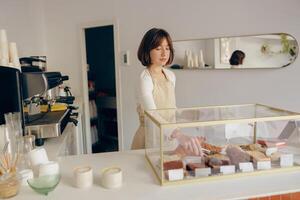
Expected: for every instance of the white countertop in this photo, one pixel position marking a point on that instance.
(139, 182)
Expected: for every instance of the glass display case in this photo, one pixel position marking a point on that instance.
(217, 142)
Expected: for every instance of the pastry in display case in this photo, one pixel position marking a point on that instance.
(218, 142)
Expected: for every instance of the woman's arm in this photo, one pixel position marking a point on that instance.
(146, 89)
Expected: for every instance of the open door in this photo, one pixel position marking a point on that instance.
(102, 102)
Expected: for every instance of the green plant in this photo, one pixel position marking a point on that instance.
(287, 47)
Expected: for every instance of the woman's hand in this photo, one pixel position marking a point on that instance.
(189, 145)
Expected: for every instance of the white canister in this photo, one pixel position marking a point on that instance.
(83, 177)
(112, 177)
(38, 156)
(50, 168)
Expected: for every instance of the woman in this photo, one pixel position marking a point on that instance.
(157, 85)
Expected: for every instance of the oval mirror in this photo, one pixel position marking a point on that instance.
(241, 52)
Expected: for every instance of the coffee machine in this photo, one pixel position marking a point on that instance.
(21, 89)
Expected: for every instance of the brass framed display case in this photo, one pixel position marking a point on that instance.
(219, 142)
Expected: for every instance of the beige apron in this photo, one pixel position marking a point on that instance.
(164, 97)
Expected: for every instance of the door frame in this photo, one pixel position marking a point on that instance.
(87, 128)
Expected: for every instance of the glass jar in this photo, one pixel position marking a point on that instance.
(25, 145)
(9, 186)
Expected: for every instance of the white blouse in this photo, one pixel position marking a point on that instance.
(146, 88)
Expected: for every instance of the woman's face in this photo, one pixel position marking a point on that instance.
(161, 54)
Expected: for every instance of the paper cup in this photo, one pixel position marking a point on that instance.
(13, 54)
(3, 35)
(4, 51)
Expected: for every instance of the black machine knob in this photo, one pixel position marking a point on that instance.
(39, 142)
(65, 78)
(54, 79)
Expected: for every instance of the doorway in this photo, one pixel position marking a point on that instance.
(101, 106)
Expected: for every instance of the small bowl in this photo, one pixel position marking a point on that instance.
(9, 186)
(44, 184)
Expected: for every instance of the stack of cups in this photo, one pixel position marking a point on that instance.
(13, 55)
(8, 52)
(40, 164)
(4, 55)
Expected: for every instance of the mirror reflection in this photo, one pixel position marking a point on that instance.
(242, 52)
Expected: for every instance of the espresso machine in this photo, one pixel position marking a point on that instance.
(21, 90)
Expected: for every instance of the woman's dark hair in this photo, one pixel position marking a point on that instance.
(151, 40)
(237, 57)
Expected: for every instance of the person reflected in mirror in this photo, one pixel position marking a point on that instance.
(237, 59)
(157, 85)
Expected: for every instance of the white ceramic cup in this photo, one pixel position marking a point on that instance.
(112, 177)
(50, 168)
(83, 177)
(38, 156)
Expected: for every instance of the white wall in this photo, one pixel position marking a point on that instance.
(184, 20)
(24, 24)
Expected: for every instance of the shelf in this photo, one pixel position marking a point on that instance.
(195, 68)
(273, 37)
